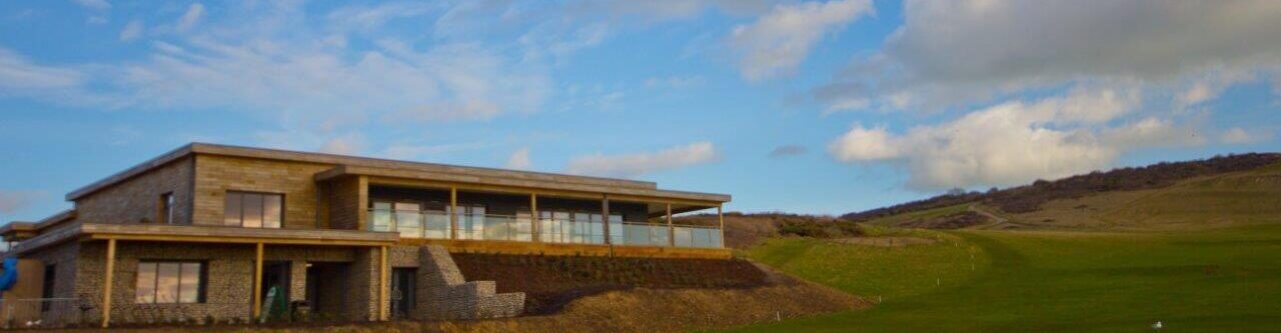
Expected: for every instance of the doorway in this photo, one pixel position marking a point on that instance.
(403, 291)
(326, 286)
(275, 289)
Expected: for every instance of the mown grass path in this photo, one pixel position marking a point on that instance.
(1203, 281)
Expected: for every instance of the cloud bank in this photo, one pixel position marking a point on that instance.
(1014, 142)
(955, 52)
(636, 164)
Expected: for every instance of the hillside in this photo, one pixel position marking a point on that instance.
(1220, 280)
(744, 231)
(1220, 191)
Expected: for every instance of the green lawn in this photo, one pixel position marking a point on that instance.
(1202, 281)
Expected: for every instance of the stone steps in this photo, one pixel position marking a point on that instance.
(448, 296)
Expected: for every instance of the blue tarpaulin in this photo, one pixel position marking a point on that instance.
(10, 274)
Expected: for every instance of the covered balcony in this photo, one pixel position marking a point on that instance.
(452, 214)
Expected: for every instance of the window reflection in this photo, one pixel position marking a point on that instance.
(253, 210)
(169, 282)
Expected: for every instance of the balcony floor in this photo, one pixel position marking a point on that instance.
(568, 249)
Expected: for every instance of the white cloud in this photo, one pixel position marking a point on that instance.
(779, 41)
(636, 164)
(674, 82)
(952, 53)
(131, 31)
(12, 201)
(664, 10)
(519, 160)
(1014, 142)
(404, 151)
(349, 144)
(1237, 135)
(864, 144)
(1152, 132)
(372, 17)
(190, 17)
(19, 73)
(94, 4)
(270, 60)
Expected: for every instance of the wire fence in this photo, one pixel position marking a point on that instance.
(85, 313)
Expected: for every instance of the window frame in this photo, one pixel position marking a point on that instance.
(165, 210)
(263, 208)
(202, 281)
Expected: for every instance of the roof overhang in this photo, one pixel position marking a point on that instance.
(206, 234)
(331, 159)
(18, 230)
(386, 176)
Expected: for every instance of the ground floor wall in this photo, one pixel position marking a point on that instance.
(339, 283)
(228, 278)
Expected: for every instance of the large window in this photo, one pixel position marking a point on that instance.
(253, 210)
(169, 282)
(166, 208)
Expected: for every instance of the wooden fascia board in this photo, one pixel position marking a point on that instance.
(237, 240)
(406, 178)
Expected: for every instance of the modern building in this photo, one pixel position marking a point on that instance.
(222, 233)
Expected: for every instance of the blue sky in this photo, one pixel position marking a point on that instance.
(802, 106)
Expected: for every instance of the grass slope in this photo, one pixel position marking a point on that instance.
(1234, 199)
(1223, 280)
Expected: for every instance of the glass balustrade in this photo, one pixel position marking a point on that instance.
(436, 225)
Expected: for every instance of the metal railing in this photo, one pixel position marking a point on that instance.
(697, 236)
(644, 234)
(436, 225)
(411, 223)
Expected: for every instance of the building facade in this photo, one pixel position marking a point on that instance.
(234, 234)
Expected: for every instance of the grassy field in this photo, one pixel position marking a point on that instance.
(1220, 280)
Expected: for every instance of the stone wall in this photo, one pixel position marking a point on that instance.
(347, 200)
(443, 293)
(215, 175)
(138, 199)
(229, 283)
(64, 259)
(362, 286)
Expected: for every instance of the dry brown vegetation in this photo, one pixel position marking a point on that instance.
(951, 221)
(1029, 198)
(743, 231)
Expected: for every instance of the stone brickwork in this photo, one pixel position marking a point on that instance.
(443, 293)
(64, 258)
(215, 175)
(229, 284)
(403, 256)
(138, 199)
(361, 298)
(347, 199)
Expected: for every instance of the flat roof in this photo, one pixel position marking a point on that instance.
(205, 234)
(528, 178)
